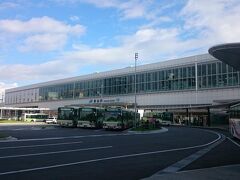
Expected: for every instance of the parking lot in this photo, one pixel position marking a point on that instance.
(60, 153)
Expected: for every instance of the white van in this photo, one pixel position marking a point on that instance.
(51, 120)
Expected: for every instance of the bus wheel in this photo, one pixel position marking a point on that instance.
(32, 120)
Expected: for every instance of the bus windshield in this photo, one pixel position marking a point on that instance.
(65, 113)
(87, 114)
(112, 116)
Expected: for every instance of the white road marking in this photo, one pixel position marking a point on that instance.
(54, 152)
(215, 167)
(59, 138)
(96, 130)
(107, 158)
(84, 136)
(188, 160)
(68, 137)
(234, 142)
(39, 145)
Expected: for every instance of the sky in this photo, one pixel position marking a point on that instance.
(43, 40)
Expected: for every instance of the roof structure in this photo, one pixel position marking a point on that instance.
(228, 53)
(127, 70)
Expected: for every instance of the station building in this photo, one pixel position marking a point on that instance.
(200, 80)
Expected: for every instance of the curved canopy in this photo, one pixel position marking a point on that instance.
(227, 53)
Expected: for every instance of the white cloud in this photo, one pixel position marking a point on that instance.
(4, 86)
(204, 24)
(21, 72)
(128, 9)
(39, 25)
(43, 33)
(151, 44)
(133, 9)
(74, 18)
(43, 42)
(8, 5)
(215, 20)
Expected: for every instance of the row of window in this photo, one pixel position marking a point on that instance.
(210, 75)
(22, 96)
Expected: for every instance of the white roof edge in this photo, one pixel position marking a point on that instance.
(127, 70)
(19, 108)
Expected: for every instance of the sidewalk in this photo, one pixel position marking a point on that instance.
(215, 127)
(231, 172)
(23, 124)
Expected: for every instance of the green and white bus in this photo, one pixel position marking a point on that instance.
(164, 118)
(90, 117)
(167, 118)
(119, 118)
(234, 121)
(67, 116)
(34, 117)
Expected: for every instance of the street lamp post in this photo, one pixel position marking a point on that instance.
(135, 90)
(101, 95)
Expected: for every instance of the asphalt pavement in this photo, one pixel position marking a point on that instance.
(73, 153)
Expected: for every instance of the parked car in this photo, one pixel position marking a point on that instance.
(51, 120)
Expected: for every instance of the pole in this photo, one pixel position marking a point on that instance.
(135, 90)
(196, 83)
(101, 94)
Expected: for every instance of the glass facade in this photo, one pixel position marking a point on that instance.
(56, 92)
(180, 78)
(216, 74)
(213, 74)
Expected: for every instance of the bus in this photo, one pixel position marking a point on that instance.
(164, 118)
(90, 117)
(119, 119)
(167, 118)
(234, 121)
(153, 115)
(67, 116)
(34, 117)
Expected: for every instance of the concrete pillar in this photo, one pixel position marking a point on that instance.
(187, 114)
(208, 117)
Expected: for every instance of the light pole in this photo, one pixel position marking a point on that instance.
(101, 95)
(135, 90)
(2, 98)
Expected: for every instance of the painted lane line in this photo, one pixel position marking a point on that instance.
(234, 142)
(84, 136)
(54, 152)
(59, 138)
(40, 145)
(209, 168)
(107, 158)
(97, 130)
(188, 160)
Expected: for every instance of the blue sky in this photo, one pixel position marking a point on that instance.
(42, 40)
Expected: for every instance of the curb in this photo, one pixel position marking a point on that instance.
(7, 139)
(177, 166)
(162, 130)
(202, 127)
